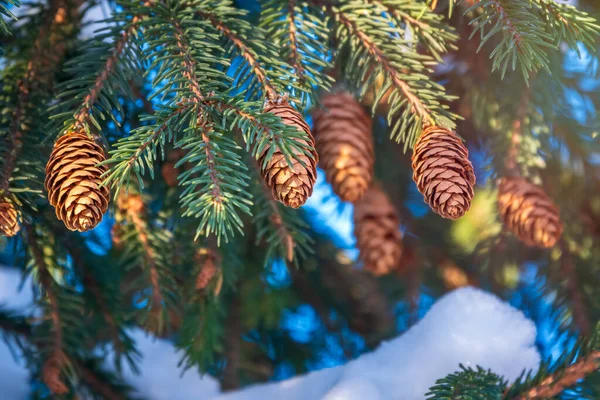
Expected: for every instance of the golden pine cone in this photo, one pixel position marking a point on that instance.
(377, 231)
(528, 212)
(345, 145)
(9, 221)
(443, 172)
(73, 179)
(291, 186)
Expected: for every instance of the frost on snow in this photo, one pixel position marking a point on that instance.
(466, 326)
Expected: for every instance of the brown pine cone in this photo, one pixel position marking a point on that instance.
(51, 373)
(73, 180)
(443, 172)
(345, 145)
(291, 186)
(528, 212)
(9, 221)
(377, 231)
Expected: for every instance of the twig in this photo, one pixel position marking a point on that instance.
(246, 53)
(558, 382)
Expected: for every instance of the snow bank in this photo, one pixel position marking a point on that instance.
(467, 326)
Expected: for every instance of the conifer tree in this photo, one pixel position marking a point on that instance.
(156, 172)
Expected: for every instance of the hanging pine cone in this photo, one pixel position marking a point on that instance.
(9, 222)
(291, 186)
(443, 172)
(73, 180)
(528, 212)
(376, 227)
(345, 146)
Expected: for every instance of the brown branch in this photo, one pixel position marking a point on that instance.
(140, 226)
(569, 274)
(558, 382)
(55, 362)
(233, 346)
(516, 134)
(49, 50)
(246, 53)
(83, 114)
(295, 58)
(417, 106)
(97, 384)
(277, 220)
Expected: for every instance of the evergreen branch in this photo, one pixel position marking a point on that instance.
(374, 45)
(99, 76)
(528, 29)
(417, 106)
(83, 115)
(14, 324)
(215, 183)
(149, 255)
(49, 49)
(139, 150)
(5, 6)
(248, 54)
(429, 28)
(566, 23)
(101, 382)
(303, 38)
(472, 384)
(555, 384)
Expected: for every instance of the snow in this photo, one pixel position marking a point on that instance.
(466, 326)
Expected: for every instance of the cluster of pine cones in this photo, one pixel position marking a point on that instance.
(343, 141)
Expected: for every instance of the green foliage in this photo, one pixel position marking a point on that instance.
(374, 44)
(5, 6)
(298, 29)
(528, 30)
(468, 384)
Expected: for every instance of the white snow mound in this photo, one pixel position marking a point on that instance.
(466, 326)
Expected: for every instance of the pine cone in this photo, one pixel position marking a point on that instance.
(73, 180)
(9, 223)
(528, 212)
(291, 186)
(443, 172)
(376, 227)
(345, 146)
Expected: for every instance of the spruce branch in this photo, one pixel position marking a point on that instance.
(375, 45)
(5, 6)
(556, 383)
(82, 117)
(49, 49)
(430, 29)
(244, 50)
(303, 39)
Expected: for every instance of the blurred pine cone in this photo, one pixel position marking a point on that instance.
(291, 186)
(443, 172)
(377, 231)
(345, 145)
(9, 222)
(528, 212)
(73, 179)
